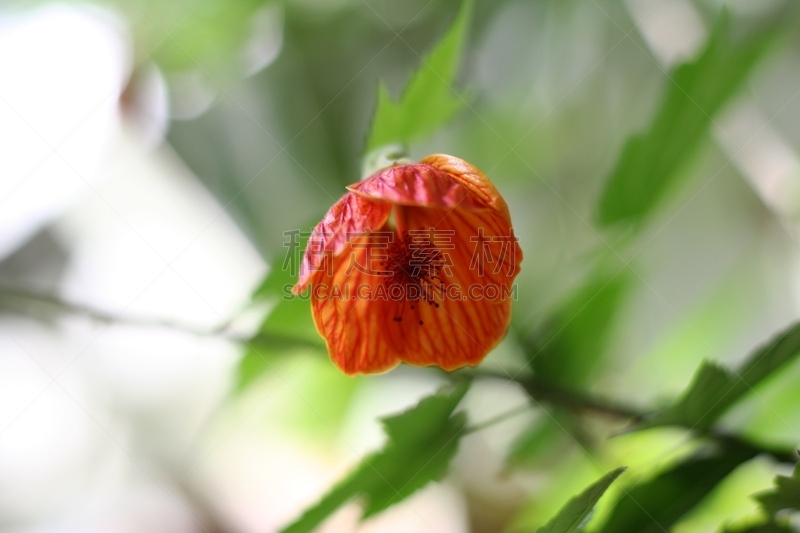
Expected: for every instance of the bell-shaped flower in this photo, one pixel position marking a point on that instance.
(415, 264)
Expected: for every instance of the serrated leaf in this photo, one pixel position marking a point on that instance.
(785, 495)
(655, 505)
(574, 516)
(421, 442)
(428, 101)
(650, 162)
(714, 389)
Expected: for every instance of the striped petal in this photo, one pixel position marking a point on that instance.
(351, 216)
(474, 311)
(418, 184)
(470, 177)
(349, 317)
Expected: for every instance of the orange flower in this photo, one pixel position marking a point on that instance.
(414, 264)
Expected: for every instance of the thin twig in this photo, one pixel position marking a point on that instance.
(536, 389)
(22, 299)
(28, 296)
(579, 401)
(502, 417)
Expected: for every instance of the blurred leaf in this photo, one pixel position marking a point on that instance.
(655, 505)
(650, 162)
(724, 311)
(254, 363)
(574, 516)
(291, 316)
(264, 351)
(421, 442)
(785, 496)
(429, 100)
(317, 418)
(288, 324)
(542, 441)
(565, 355)
(284, 267)
(577, 334)
(715, 389)
(184, 33)
(770, 527)
(286, 328)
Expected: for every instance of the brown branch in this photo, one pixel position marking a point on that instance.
(25, 300)
(537, 390)
(582, 402)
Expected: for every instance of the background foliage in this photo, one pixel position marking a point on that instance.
(635, 143)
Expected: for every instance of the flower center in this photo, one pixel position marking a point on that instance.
(414, 265)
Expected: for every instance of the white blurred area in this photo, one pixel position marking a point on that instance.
(124, 427)
(61, 72)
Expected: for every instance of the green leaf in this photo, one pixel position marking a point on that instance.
(715, 389)
(429, 100)
(650, 162)
(288, 325)
(575, 339)
(265, 350)
(565, 353)
(285, 267)
(183, 34)
(770, 527)
(291, 316)
(420, 444)
(542, 441)
(655, 505)
(287, 328)
(256, 362)
(785, 496)
(574, 516)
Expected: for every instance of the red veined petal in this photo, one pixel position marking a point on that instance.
(456, 334)
(352, 215)
(473, 313)
(479, 245)
(470, 177)
(354, 325)
(418, 184)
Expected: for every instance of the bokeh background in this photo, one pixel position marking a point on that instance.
(153, 155)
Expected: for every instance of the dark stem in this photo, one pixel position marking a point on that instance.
(537, 390)
(24, 300)
(582, 402)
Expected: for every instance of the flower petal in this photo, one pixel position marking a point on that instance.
(354, 324)
(418, 184)
(352, 215)
(470, 177)
(482, 260)
(456, 334)
(480, 246)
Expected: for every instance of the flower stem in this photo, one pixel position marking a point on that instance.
(384, 157)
